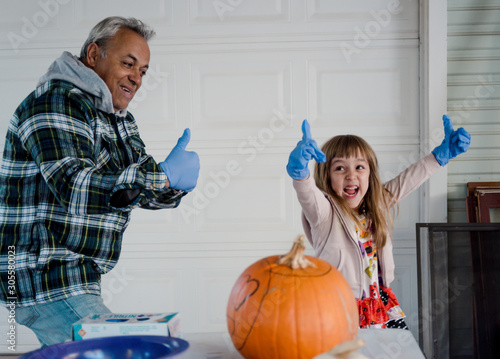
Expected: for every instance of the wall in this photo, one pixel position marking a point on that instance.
(473, 95)
(474, 103)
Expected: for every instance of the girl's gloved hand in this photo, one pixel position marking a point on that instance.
(305, 150)
(454, 143)
(182, 167)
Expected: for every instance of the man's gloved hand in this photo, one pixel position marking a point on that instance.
(305, 150)
(454, 143)
(182, 167)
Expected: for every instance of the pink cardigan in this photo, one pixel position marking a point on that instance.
(332, 233)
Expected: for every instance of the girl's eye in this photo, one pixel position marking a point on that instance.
(339, 168)
(360, 167)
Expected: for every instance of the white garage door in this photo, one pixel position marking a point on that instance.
(242, 75)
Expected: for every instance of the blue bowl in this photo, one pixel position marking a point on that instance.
(121, 347)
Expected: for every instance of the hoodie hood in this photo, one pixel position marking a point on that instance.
(69, 68)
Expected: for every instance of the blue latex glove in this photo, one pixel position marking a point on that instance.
(454, 143)
(182, 167)
(305, 150)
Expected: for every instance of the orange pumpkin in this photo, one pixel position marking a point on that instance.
(291, 307)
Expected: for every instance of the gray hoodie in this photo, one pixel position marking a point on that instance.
(69, 68)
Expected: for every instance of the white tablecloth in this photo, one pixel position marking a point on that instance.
(380, 344)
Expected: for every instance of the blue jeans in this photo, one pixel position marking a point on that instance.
(52, 321)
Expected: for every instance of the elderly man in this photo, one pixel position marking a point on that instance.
(73, 168)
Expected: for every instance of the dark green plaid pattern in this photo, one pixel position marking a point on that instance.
(62, 161)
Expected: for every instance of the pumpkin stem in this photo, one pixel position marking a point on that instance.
(295, 258)
(345, 351)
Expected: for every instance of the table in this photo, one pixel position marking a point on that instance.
(380, 344)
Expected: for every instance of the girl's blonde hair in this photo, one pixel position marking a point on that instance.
(377, 203)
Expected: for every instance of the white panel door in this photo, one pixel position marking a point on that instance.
(242, 75)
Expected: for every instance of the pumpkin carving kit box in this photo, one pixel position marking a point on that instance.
(114, 324)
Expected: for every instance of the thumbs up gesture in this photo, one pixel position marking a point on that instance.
(306, 150)
(454, 143)
(182, 167)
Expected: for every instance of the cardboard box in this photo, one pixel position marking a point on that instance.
(113, 324)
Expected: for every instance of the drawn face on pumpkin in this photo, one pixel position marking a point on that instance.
(269, 299)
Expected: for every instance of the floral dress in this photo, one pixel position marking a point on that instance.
(378, 307)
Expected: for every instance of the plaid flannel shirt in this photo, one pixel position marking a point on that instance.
(62, 162)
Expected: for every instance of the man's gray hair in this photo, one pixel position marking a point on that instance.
(107, 28)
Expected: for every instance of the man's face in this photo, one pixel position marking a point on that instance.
(126, 62)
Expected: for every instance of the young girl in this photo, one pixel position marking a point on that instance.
(347, 212)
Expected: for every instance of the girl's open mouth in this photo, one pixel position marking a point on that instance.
(351, 191)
